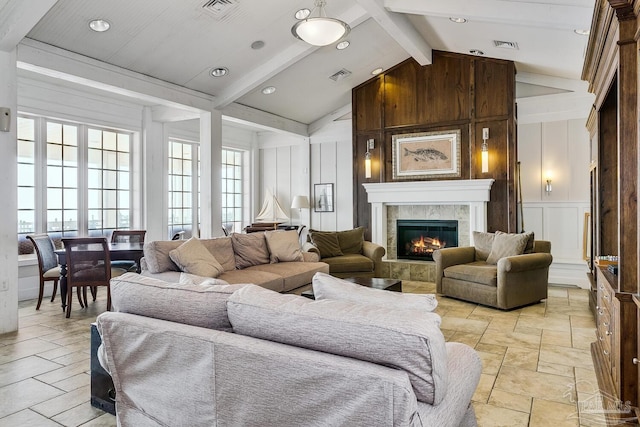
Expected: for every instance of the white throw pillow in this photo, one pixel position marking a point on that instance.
(326, 286)
(193, 258)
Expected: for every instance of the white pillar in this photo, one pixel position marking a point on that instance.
(9, 186)
(155, 161)
(210, 174)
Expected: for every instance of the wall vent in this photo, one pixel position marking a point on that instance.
(505, 45)
(340, 75)
(220, 9)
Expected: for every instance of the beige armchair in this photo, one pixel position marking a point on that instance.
(514, 281)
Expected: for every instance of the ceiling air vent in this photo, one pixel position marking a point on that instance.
(220, 9)
(505, 45)
(340, 75)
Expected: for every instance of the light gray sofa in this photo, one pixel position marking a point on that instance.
(241, 355)
(244, 258)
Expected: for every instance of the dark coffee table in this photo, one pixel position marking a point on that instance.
(393, 285)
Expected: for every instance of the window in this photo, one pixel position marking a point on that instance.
(184, 165)
(232, 190)
(73, 179)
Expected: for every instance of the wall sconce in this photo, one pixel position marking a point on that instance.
(547, 187)
(367, 158)
(485, 150)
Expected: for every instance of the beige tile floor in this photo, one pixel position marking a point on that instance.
(537, 369)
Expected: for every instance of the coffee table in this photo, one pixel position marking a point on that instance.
(393, 285)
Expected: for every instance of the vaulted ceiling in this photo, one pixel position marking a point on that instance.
(180, 42)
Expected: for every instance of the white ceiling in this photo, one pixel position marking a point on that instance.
(180, 43)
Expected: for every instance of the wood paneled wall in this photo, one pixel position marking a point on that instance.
(456, 92)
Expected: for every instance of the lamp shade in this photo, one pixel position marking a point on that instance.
(320, 31)
(300, 202)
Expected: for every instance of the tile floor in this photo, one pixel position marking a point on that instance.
(537, 368)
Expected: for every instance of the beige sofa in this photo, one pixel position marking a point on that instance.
(502, 271)
(242, 258)
(346, 252)
(241, 355)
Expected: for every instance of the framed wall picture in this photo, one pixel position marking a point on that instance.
(323, 197)
(424, 154)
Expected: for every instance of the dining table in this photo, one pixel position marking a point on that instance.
(117, 251)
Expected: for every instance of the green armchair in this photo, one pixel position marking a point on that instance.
(468, 273)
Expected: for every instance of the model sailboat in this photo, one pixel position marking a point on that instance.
(271, 211)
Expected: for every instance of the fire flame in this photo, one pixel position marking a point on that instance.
(426, 245)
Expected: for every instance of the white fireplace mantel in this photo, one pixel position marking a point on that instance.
(472, 192)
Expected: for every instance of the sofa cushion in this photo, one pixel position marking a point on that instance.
(267, 280)
(192, 279)
(294, 274)
(407, 340)
(326, 286)
(349, 263)
(528, 249)
(505, 245)
(197, 305)
(326, 242)
(193, 258)
(476, 272)
(222, 249)
(482, 242)
(156, 255)
(250, 249)
(283, 246)
(350, 241)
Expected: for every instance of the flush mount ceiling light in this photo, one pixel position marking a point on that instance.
(99, 25)
(582, 32)
(319, 30)
(302, 13)
(476, 52)
(457, 20)
(377, 71)
(268, 90)
(343, 45)
(219, 72)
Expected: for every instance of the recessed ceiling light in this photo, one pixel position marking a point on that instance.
(99, 25)
(476, 52)
(302, 13)
(457, 20)
(377, 71)
(582, 32)
(268, 90)
(258, 44)
(219, 71)
(343, 45)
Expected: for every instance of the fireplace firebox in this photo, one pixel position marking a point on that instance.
(417, 238)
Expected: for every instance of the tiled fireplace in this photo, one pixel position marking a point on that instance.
(464, 201)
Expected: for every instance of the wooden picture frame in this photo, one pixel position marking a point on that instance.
(426, 154)
(323, 197)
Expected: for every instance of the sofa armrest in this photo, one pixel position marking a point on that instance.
(374, 252)
(451, 256)
(525, 262)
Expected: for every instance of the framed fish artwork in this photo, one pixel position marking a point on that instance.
(424, 154)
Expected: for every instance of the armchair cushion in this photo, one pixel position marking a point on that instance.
(326, 242)
(482, 242)
(350, 241)
(476, 272)
(349, 263)
(505, 245)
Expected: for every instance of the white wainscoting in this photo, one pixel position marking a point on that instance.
(561, 223)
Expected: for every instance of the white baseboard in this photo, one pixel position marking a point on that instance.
(569, 273)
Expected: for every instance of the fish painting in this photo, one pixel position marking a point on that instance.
(425, 154)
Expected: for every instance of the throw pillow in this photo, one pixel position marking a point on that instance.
(530, 242)
(193, 258)
(284, 246)
(407, 340)
(482, 242)
(505, 245)
(351, 240)
(327, 243)
(326, 286)
(197, 305)
(250, 249)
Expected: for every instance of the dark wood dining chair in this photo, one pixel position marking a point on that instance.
(47, 264)
(127, 236)
(88, 264)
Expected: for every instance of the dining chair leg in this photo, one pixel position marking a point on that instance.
(40, 293)
(94, 292)
(55, 290)
(108, 298)
(79, 292)
(84, 296)
(69, 299)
